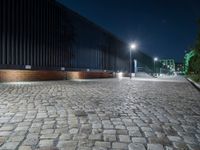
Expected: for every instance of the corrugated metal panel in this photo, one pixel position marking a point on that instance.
(45, 35)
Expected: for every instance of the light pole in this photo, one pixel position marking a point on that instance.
(155, 60)
(132, 47)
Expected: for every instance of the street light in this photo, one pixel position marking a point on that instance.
(133, 46)
(155, 60)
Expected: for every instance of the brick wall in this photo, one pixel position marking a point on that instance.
(27, 75)
(88, 75)
(30, 75)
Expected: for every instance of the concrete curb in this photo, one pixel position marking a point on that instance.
(196, 85)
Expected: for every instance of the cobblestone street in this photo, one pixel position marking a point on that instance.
(106, 114)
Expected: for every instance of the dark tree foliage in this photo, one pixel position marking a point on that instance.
(197, 44)
(192, 58)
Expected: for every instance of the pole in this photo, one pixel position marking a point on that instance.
(130, 64)
(154, 67)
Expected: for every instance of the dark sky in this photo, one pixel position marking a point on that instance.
(162, 28)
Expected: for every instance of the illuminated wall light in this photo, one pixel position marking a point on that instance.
(62, 68)
(28, 67)
(20, 83)
(120, 75)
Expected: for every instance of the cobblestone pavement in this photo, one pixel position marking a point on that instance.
(106, 114)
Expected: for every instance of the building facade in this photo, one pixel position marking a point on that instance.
(179, 68)
(167, 66)
(41, 39)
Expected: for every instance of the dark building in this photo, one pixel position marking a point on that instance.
(179, 68)
(41, 39)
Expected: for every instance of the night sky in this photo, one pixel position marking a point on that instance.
(162, 28)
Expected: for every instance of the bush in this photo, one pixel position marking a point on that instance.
(195, 77)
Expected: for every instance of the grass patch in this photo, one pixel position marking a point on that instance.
(195, 77)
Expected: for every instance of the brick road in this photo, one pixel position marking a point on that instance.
(106, 114)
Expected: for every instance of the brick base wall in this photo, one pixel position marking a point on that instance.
(30, 75)
(88, 75)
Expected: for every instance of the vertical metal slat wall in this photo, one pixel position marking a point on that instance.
(47, 36)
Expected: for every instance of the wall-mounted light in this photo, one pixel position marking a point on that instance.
(28, 67)
(120, 75)
(62, 68)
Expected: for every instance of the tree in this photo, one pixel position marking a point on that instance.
(197, 43)
(194, 64)
(192, 58)
(187, 61)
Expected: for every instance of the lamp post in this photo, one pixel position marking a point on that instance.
(155, 60)
(132, 47)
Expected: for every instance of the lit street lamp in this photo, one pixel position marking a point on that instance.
(155, 60)
(133, 46)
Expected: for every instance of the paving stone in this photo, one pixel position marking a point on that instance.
(118, 145)
(10, 145)
(85, 143)
(108, 126)
(7, 127)
(120, 127)
(47, 131)
(73, 131)
(135, 128)
(122, 132)
(5, 133)
(48, 148)
(97, 126)
(109, 131)
(162, 140)
(65, 136)
(189, 139)
(95, 136)
(169, 148)
(193, 147)
(25, 148)
(149, 134)
(80, 137)
(2, 140)
(84, 148)
(103, 144)
(69, 144)
(16, 138)
(139, 140)
(99, 148)
(49, 136)
(80, 115)
(44, 143)
(135, 146)
(147, 129)
(174, 138)
(31, 141)
(124, 138)
(155, 147)
(180, 145)
(135, 133)
(109, 137)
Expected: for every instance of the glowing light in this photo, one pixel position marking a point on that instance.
(120, 75)
(133, 46)
(21, 83)
(155, 59)
(62, 68)
(28, 67)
